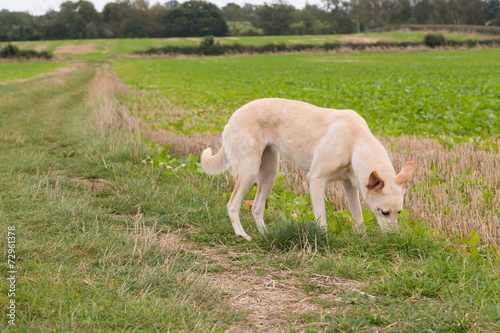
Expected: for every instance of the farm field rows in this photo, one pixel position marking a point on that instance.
(106, 48)
(118, 234)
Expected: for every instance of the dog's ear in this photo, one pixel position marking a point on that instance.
(375, 183)
(405, 173)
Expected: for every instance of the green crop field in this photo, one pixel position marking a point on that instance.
(453, 93)
(116, 227)
(12, 71)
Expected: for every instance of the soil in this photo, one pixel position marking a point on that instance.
(269, 295)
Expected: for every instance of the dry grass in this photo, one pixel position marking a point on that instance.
(467, 32)
(108, 113)
(453, 191)
(358, 39)
(94, 185)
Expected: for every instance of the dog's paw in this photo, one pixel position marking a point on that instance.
(245, 236)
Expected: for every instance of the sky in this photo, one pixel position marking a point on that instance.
(40, 7)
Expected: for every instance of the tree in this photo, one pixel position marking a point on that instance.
(91, 18)
(274, 19)
(233, 12)
(16, 26)
(400, 11)
(171, 4)
(311, 21)
(75, 20)
(123, 19)
(154, 24)
(492, 10)
(194, 18)
(248, 11)
(339, 17)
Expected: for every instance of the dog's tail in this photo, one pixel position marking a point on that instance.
(217, 163)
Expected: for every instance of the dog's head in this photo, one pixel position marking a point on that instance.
(385, 196)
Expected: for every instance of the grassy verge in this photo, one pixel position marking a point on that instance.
(87, 259)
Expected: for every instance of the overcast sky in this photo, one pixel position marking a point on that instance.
(39, 7)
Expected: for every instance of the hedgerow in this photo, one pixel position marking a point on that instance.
(209, 47)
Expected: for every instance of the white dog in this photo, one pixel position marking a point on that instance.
(330, 145)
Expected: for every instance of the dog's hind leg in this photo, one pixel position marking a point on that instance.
(267, 174)
(245, 176)
(352, 197)
(317, 191)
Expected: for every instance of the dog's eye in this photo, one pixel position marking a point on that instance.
(386, 213)
(399, 212)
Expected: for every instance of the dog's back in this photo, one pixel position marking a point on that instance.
(292, 128)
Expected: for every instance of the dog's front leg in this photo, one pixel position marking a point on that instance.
(352, 197)
(317, 191)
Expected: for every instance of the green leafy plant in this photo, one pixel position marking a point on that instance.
(434, 40)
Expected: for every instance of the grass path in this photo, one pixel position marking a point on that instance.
(81, 263)
(107, 243)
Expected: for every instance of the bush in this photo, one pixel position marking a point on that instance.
(12, 51)
(433, 40)
(209, 47)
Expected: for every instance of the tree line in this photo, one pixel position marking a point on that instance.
(137, 18)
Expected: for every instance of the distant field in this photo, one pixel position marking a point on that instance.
(106, 48)
(13, 71)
